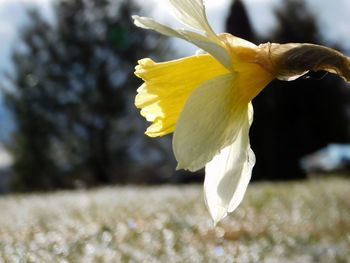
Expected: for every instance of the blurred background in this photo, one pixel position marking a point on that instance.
(68, 121)
(67, 89)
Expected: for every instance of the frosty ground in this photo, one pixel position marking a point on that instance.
(306, 221)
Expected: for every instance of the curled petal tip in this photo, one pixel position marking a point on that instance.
(179, 167)
(219, 214)
(185, 166)
(136, 18)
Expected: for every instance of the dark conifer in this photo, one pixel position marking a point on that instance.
(72, 97)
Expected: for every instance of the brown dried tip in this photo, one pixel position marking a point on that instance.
(290, 61)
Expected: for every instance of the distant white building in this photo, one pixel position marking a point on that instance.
(6, 161)
(334, 157)
(5, 158)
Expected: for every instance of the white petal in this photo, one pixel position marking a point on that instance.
(227, 176)
(149, 23)
(211, 45)
(214, 48)
(210, 120)
(192, 13)
(242, 181)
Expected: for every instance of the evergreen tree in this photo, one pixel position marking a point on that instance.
(73, 93)
(238, 22)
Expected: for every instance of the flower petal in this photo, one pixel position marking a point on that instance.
(214, 48)
(192, 13)
(212, 45)
(149, 23)
(228, 174)
(167, 87)
(210, 121)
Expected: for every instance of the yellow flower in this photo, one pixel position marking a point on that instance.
(205, 99)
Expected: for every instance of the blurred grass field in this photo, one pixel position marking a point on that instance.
(277, 222)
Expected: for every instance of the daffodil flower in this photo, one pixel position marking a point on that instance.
(205, 99)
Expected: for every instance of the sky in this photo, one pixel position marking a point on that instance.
(12, 17)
